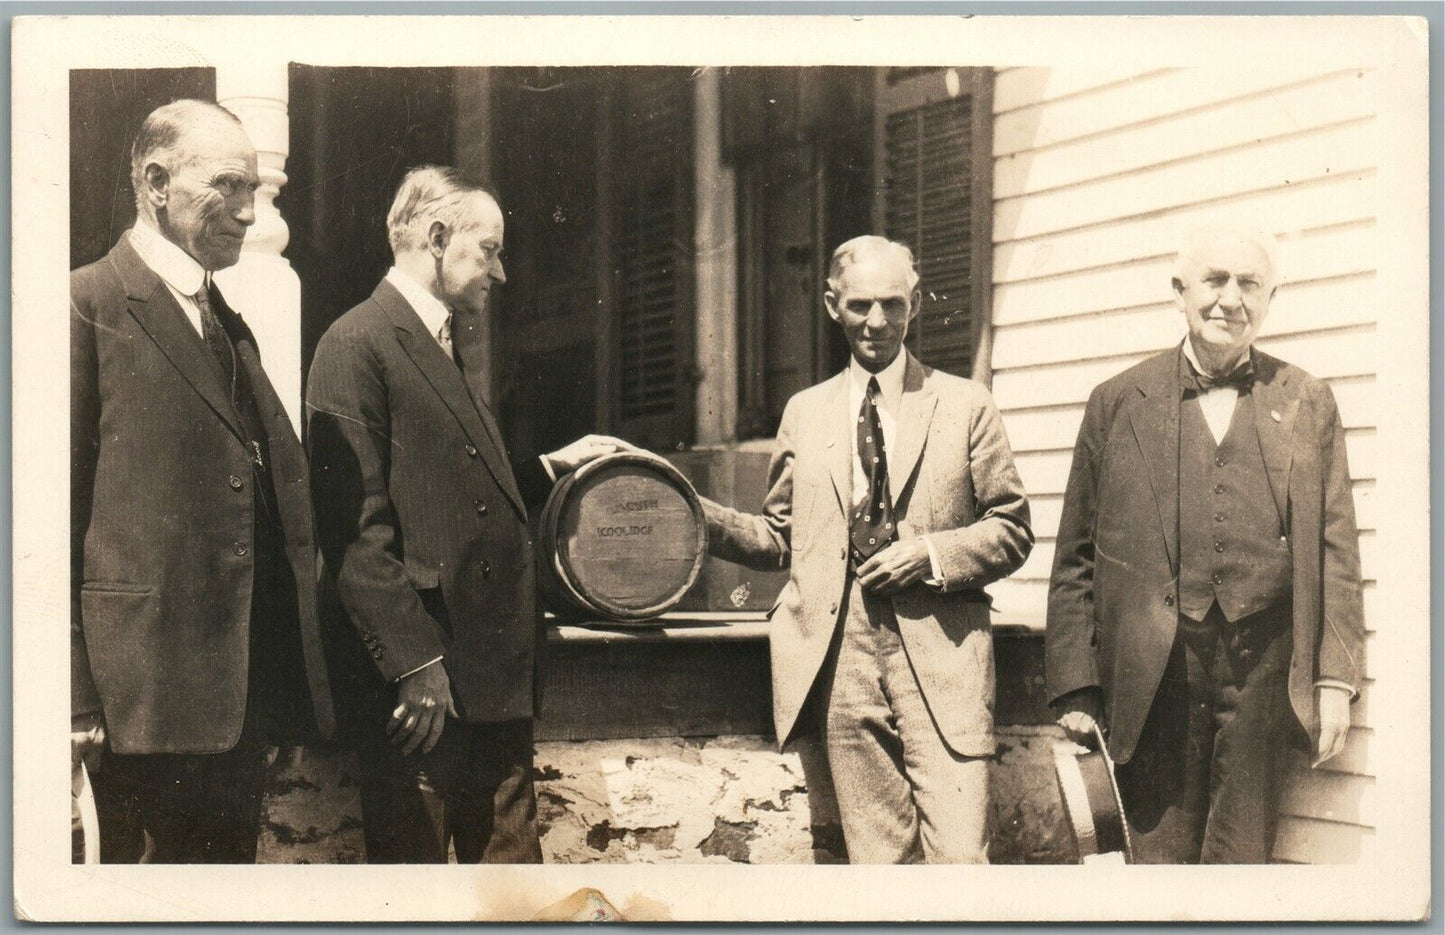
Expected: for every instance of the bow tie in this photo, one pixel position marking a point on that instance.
(1241, 377)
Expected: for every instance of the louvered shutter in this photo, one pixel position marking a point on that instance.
(934, 195)
(652, 255)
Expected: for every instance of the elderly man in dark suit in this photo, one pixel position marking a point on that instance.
(423, 522)
(1205, 606)
(194, 634)
(894, 500)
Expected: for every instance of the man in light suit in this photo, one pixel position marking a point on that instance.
(894, 500)
(194, 634)
(1205, 605)
(423, 522)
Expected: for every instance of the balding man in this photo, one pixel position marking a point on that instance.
(1205, 605)
(194, 636)
(423, 521)
(894, 500)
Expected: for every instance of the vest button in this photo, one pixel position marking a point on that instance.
(240, 548)
(1219, 488)
(1219, 517)
(471, 451)
(486, 569)
(1219, 462)
(481, 507)
(833, 609)
(1169, 600)
(236, 482)
(1218, 578)
(1219, 546)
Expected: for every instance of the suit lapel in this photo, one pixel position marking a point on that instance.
(156, 310)
(446, 379)
(1155, 422)
(914, 416)
(840, 423)
(1275, 409)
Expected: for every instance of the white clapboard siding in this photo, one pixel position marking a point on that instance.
(1222, 124)
(1310, 841)
(1343, 148)
(1028, 87)
(1338, 198)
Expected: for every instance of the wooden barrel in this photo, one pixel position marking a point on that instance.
(622, 538)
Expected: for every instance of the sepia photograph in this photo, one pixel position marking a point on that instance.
(686, 468)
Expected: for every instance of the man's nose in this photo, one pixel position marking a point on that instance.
(876, 320)
(246, 210)
(1229, 296)
(497, 273)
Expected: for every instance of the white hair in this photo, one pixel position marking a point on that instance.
(1198, 236)
(161, 139)
(427, 194)
(849, 252)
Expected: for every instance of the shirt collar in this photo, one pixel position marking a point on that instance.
(428, 307)
(176, 268)
(1190, 369)
(890, 378)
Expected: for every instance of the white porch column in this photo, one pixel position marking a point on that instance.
(252, 84)
(715, 241)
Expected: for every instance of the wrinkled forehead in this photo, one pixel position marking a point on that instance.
(481, 213)
(1226, 252)
(217, 142)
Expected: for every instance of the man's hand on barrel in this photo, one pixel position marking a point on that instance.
(895, 567)
(1080, 711)
(588, 448)
(423, 701)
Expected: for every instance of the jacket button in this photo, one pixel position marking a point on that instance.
(486, 569)
(1218, 578)
(1219, 462)
(236, 482)
(1219, 546)
(240, 548)
(833, 609)
(481, 507)
(1169, 599)
(1219, 488)
(376, 652)
(471, 451)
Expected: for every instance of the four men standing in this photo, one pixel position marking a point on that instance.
(1205, 602)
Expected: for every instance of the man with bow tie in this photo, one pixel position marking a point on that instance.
(195, 641)
(423, 525)
(893, 500)
(1205, 604)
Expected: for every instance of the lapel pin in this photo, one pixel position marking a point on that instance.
(1274, 414)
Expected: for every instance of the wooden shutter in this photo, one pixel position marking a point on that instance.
(935, 166)
(652, 255)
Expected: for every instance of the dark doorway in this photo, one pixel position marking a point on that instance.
(354, 134)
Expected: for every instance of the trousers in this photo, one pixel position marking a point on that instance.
(1203, 785)
(473, 793)
(903, 795)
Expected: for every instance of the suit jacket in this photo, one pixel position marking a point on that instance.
(162, 518)
(422, 521)
(952, 477)
(1114, 591)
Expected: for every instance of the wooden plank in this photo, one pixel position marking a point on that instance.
(1347, 148)
(1029, 85)
(1338, 198)
(1330, 797)
(1123, 144)
(1311, 841)
(1302, 308)
(1328, 254)
(1142, 99)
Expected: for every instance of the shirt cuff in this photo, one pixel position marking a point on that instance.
(547, 466)
(1336, 683)
(418, 669)
(935, 573)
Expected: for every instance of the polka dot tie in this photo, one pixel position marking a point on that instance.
(872, 526)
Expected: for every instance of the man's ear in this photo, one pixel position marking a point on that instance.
(917, 304)
(436, 238)
(830, 302)
(157, 185)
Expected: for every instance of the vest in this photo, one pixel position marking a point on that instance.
(1232, 546)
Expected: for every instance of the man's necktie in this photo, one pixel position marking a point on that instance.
(444, 338)
(872, 526)
(1241, 377)
(216, 339)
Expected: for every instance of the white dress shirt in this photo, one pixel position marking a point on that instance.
(183, 276)
(433, 314)
(890, 391)
(1217, 402)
